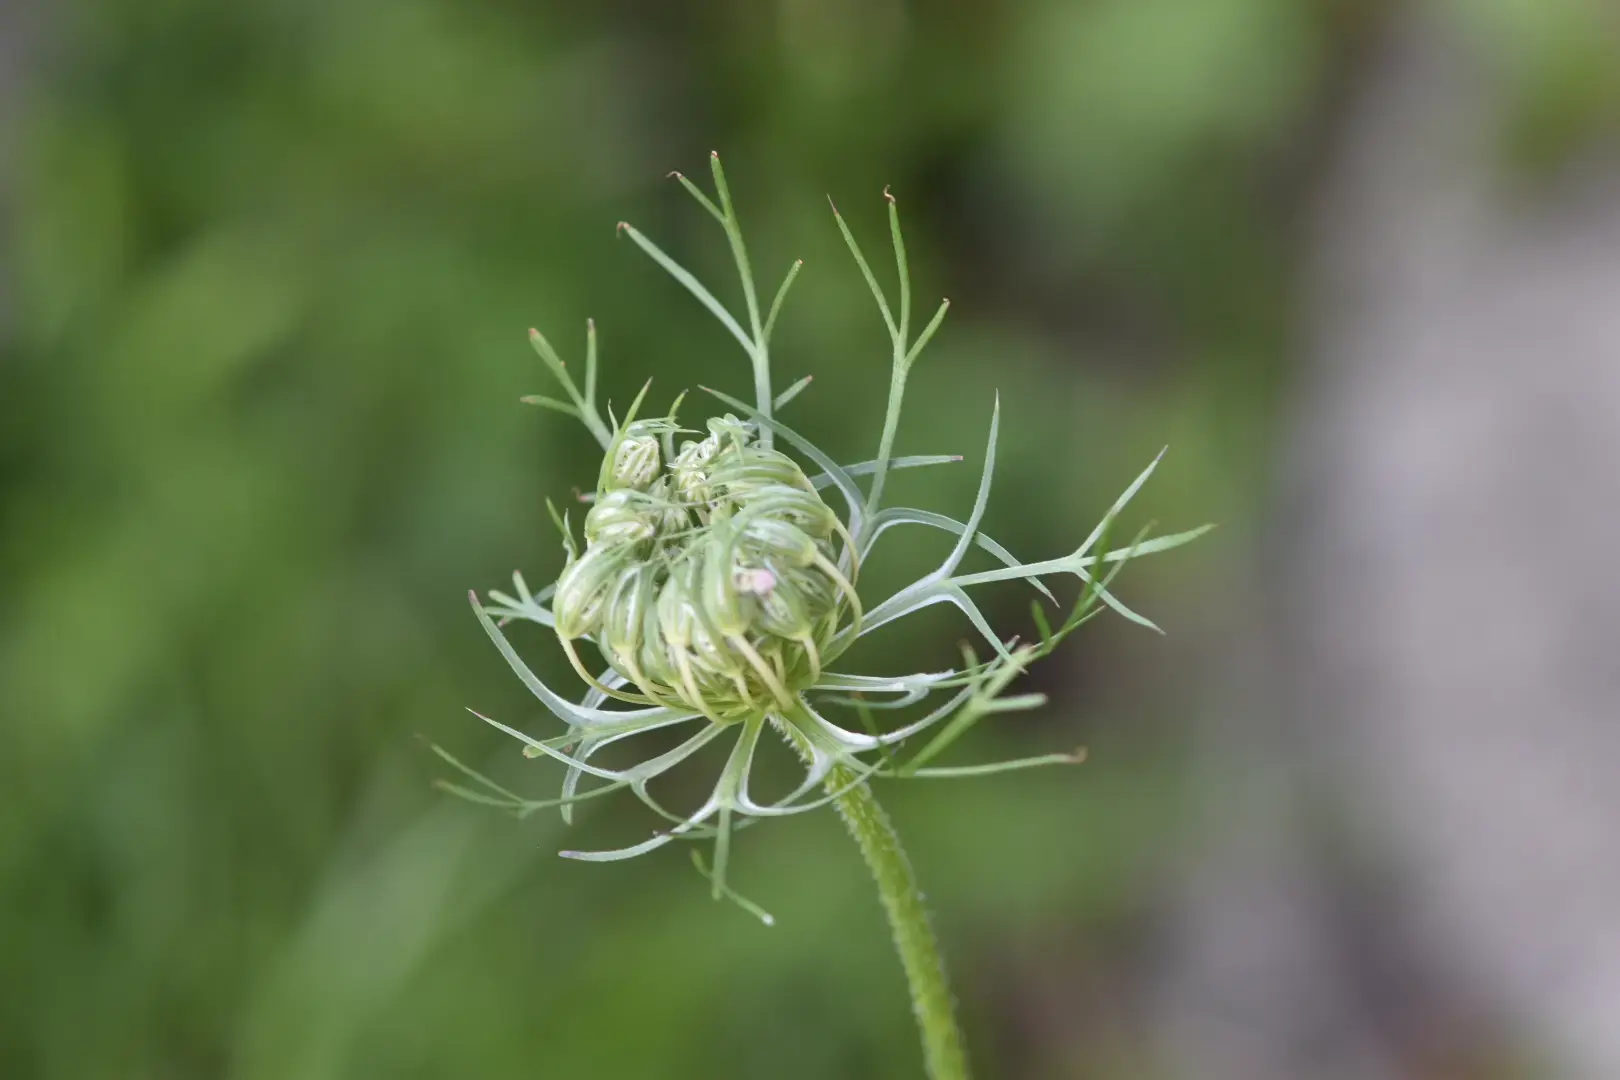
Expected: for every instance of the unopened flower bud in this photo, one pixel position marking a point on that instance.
(690, 469)
(618, 518)
(635, 461)
(582, 590)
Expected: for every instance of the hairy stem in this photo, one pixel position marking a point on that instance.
(931, 1000)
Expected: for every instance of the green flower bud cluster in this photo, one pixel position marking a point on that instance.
(719, 590)
(713, 581)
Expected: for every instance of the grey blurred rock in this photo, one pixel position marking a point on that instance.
(1416, 791)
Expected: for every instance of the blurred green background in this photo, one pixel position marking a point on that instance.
(268, 269)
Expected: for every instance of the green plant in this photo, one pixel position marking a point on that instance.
(720, 590)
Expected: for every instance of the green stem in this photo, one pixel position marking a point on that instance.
(891, 424)
(931, 1000)
(760, 353)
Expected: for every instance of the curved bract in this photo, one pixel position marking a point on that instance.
(719, 590)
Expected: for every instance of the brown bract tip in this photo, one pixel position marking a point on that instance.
(886, 193)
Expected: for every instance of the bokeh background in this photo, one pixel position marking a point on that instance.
(266, 270)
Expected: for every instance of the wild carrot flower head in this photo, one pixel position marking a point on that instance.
(712, 579)
(720, 590)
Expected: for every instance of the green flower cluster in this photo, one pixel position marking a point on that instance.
(710, 578)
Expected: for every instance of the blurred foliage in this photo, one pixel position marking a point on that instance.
(270, 266)
(1556, 59)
